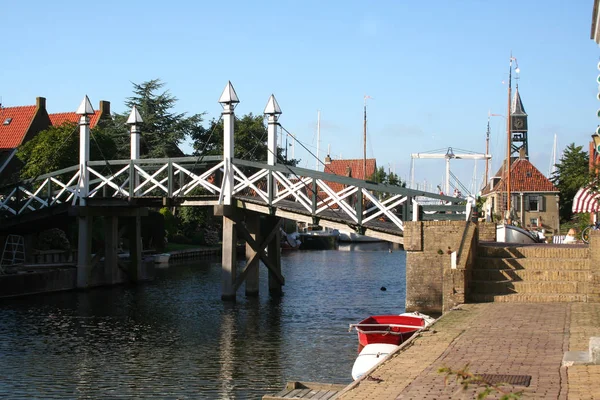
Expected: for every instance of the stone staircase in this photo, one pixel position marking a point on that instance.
(530, 273)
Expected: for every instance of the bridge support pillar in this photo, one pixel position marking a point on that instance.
(274, 256)
(111, 248)
(252, 261)
(135, 248)
(84, 252)
(228, 269)
(258, 236)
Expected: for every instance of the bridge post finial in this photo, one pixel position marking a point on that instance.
(134, 120)
(272, 111)
(85, 109)
(228, 101)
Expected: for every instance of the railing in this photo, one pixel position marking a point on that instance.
(321, 194)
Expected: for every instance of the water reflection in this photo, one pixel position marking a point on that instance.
(175, 338)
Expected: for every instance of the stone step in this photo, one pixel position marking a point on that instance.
(534, 251)
(528, 298)
(532, 263)
(510, 286)
(535, 275)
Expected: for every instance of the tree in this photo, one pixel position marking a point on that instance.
(250, 141)
(57, 147)
(162, 130)
(572, 173)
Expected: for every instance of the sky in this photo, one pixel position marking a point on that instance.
(433, 70)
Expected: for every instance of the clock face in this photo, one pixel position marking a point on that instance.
(518, 123)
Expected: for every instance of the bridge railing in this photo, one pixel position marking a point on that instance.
(329, 195)
(322, 194)
(114, 178)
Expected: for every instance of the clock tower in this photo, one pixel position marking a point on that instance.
(518, 127)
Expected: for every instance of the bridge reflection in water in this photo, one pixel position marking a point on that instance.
(175, 338)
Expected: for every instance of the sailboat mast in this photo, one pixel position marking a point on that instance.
(509, 141)
(318, 137)
(487, 151)
(365, 141)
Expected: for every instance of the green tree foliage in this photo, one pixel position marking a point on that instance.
(380, 176)
(163, 130)
(58, 147)
(250, 141)
(572, 173)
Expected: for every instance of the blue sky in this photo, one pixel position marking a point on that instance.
(434, 69)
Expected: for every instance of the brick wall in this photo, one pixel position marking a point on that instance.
(487, 231)
(593, 290)
(432, 285)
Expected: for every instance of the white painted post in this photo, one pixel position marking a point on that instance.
(228, 100)
(84, 109)
(134, 120)
(273, 111)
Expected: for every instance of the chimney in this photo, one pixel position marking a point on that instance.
(40, 103)
(104, 107)
(327, 160)
(348, 171)
(522, 153)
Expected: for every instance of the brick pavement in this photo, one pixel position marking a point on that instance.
(493, 338)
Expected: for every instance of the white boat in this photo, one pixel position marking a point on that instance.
(162, 258)
(513, 234)
(370, 356)
(353, 237)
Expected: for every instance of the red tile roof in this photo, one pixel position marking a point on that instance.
(12, 133)
(340, 167)
(61, 118)
(524, 177)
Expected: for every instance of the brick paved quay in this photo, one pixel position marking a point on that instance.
(493, 338)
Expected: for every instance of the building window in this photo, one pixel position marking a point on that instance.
(534, 203)
(533, 221)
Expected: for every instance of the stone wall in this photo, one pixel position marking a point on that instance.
(433, 282)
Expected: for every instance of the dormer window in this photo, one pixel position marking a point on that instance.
(7, 121)
(528, 174)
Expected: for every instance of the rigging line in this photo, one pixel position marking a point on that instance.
(202, 154)
(325, 166)
(300, 180)
(101, 153)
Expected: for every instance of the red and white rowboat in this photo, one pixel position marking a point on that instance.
(392, 329)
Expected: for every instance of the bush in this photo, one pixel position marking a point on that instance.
(53, 239)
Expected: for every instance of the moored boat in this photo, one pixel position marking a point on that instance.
(353, 237)
(390, 329)
(370, 356)
(513, 234)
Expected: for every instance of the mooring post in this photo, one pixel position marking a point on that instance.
(272, 111)
(228, 101)
(84, 244)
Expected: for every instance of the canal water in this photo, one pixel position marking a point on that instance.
(174, 338)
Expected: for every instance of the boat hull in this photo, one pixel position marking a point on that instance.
(318, 242)
(370, 356)
(514, 234)
(353, 237)
(390, 329)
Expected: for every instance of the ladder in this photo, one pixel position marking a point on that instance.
(13, 253)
